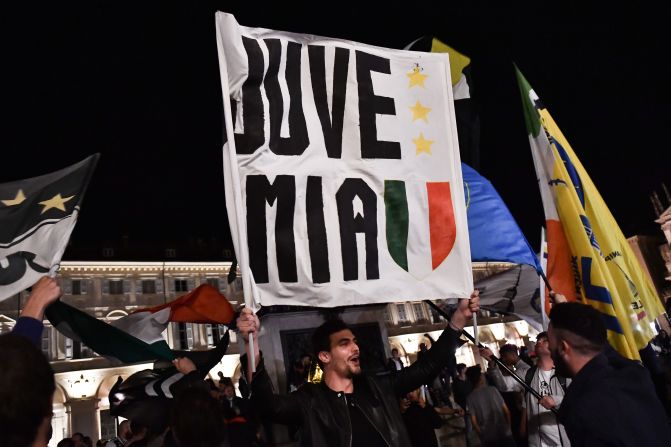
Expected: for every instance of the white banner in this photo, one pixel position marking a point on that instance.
(343, 177)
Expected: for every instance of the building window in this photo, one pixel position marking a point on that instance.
(108, 252)
(68, 348)
(214, 282)
(116, 287)
(435, 316)
(107, 425)
(170, 253)
(148, 286)
(215, 332)
(185, 335)
(402, 316)
(419, 311)
(386, 315)
(76, 287)
(181, 285)
(46, 342)
(209, 331)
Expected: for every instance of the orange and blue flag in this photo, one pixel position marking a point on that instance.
(589, 257)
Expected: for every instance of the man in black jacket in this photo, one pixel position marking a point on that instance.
(611, 400)
(348, 408)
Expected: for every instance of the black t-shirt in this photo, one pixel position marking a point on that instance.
(363, 432)
(461, 389)
(421, 423)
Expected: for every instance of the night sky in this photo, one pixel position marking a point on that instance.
(139, 83)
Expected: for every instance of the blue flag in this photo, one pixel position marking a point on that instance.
(493, 232)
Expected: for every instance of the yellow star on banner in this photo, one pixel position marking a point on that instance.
(56, 201)
(20, 197)
(419, 112)
(422, 145)
(416, 77)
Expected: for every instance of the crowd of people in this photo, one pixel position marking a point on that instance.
(573, 389)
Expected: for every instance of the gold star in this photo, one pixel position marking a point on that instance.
(416, 78)
(20, 197)
(419, 112)
(56, 201)
(422, 144)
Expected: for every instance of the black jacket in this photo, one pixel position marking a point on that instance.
(612, 402)
(322, 413)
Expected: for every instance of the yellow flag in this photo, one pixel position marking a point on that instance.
(606, 272)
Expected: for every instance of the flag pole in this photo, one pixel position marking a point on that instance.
(498, 361)
(240, 229)
(543, 261)
(476, 333)
(545, 280)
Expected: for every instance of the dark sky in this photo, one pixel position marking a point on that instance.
(139, 82)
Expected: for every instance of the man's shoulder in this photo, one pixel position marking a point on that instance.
(483, 391)
(522, 366)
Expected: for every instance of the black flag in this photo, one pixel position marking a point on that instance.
(37, 216)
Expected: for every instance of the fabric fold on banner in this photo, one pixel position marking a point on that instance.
(606, 273)
(37, 216)
(341, 166)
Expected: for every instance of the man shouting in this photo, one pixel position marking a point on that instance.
(350, 408)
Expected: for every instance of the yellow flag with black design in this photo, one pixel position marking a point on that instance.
(606, 272)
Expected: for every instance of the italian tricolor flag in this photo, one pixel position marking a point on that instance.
(139, 337)
(421, 226)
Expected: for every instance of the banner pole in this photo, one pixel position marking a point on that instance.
(240, 230)
(475, 330)
(498, 361)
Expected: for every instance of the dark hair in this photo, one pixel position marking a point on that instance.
(66, 442)
(196, 419)
(508, 348)
(226, 381)
(26, 388)
(321, 338)
(582, 323)
(81, 435)
(137, 427)
(540, 335)
(460, 367)
(473, 374)
(88, 441)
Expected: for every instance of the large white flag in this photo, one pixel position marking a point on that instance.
(343, 177)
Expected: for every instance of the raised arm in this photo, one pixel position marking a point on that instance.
(441, 352)
(29, 325)
(264, 401)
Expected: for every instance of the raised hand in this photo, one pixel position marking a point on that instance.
(248, 323)
(45, 291)
(465, 310)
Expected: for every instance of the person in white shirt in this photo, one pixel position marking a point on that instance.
(511, 390)
(541, 425)
(123, 437)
